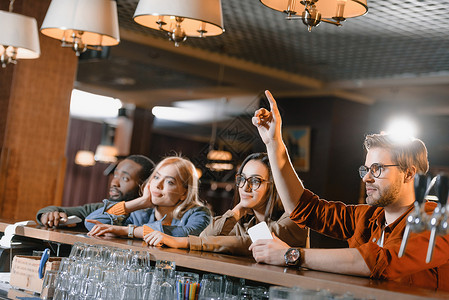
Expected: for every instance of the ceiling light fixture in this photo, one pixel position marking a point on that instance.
(181, 18)
(82, 24)
(219, 160)
(85, 158)
(315, 11)
(19, 37)
(106, 154)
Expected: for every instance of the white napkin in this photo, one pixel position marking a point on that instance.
(10, 231)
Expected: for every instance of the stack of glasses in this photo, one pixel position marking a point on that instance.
(99, 272)
(107, 273)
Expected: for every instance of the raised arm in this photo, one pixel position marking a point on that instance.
(288, 185)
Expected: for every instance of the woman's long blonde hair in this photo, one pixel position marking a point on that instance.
(188, 176)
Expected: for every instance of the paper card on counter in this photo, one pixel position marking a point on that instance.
(259, 231)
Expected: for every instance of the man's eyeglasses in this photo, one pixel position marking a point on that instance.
(253, 182)
(375, 169)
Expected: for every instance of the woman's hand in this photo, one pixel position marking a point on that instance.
(157, 238)
(146, 196)
(105, 229)
(142, 202)
(240, 211)
(268, 123)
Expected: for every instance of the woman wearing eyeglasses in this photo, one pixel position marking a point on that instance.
(257, 200)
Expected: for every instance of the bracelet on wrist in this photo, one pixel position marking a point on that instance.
(131, 231)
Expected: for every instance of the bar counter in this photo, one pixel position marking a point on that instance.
(243, 267)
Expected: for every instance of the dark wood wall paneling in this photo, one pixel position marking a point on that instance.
(84, 184)
(165, 145)
(142, 132)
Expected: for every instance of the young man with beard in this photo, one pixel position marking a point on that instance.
(129, 175)
(373, 231)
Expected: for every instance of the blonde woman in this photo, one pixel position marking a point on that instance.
(169, 204)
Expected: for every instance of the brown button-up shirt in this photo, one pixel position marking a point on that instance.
(362, 226)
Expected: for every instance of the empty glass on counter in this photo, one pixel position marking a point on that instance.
(163, 281)
(232, 287)
(212, 287)
(254, 292)
(49, 284)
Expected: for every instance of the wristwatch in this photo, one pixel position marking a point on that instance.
(292, 257)
(131, 231)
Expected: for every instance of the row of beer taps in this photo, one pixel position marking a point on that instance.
(419, 221)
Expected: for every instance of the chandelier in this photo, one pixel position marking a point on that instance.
(82, 24)
(181, 18)
(312, 12)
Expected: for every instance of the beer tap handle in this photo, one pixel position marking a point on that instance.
(404, 240)
(433, 234)
(420, 187)
(420, 184)
(434, 224)
(442, 189)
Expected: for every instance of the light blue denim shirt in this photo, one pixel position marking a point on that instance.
(191, 223)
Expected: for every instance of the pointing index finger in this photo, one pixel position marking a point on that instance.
(273, 105)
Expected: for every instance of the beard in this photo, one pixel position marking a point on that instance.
(384, 196)
(124, 197)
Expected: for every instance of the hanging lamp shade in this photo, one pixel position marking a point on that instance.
(85, 158)
(89, 22)
(200, 17)
(328, 8)
(106, 154)
(19, 37)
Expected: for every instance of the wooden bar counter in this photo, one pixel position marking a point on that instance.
(243, 267)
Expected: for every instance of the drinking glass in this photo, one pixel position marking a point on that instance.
(108, 291)
(77, 250)
(141, 259)
(147, 278)
(254, 292)
(64, 265)
(91, 253)
(62, 286)
(131, 292)
(211, 287)
(232, 287)
(89, 288)
(281, 293)
(163, 281)
(48, 285)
